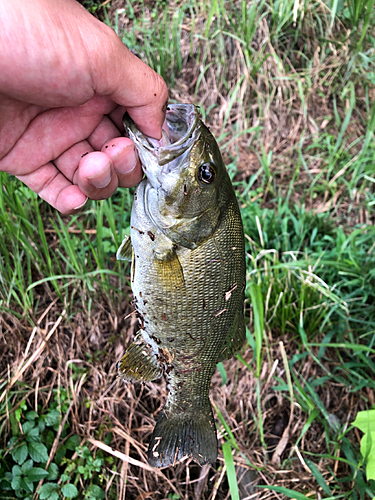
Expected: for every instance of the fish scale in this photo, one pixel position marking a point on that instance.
(188, 278)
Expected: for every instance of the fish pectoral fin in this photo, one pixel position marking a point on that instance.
(125, 250)
(178, 435)
(139, 363)
(169, 269)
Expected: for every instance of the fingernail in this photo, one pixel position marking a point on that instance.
(81, 205)
(125, 158)
(102, 179)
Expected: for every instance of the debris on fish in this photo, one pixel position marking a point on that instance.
(188, 278)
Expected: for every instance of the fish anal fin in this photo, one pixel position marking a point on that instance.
(180, 435)
(139, 363)
(125, 250)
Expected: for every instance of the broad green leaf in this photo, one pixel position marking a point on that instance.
(5, 483)
(72, 442)
(28, 426)
(368, 453)
(33, 435)
(41, 425)
(365, 421)
(16, 470)
(27, 484)
(53, 472)
(16, 482)
(36, 474)
(27, 466)
(38, 452)
(69, 490)
(20, 453)
(96, 492)
(12, 441)
(52, 418)
(47, 490)
(31, 415)
(18, 414)
(32, 432)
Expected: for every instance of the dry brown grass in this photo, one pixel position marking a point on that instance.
(101, 403)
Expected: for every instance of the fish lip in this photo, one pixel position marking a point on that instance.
(176, 114)
(189, 114)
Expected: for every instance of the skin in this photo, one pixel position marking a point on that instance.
(66, 80)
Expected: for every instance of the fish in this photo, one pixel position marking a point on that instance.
(188, 278)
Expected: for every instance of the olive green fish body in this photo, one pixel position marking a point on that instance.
(188, 278)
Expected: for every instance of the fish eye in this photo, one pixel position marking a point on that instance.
(206, 173)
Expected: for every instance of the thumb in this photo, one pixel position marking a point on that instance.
(131, 83)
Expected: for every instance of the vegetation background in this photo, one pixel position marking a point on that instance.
(287, 87)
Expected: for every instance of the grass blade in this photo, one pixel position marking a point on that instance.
(257, 303)
(319, 478)
(296, 495)
(231, 471)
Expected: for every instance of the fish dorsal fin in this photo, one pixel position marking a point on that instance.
(125, 250)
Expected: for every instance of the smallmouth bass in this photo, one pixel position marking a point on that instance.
(188, 278)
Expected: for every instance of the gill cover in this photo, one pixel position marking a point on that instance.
(184, 171)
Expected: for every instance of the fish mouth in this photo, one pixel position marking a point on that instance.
(182, 122)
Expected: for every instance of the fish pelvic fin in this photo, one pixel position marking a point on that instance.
(139, 363)
(183, 435)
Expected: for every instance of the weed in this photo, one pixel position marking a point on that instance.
(31, 458)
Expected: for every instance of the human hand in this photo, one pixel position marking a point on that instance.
(65, 82)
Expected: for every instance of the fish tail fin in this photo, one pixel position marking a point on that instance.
(184, 435)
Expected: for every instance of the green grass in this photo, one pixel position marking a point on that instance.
(287, 87)
(75, 255)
